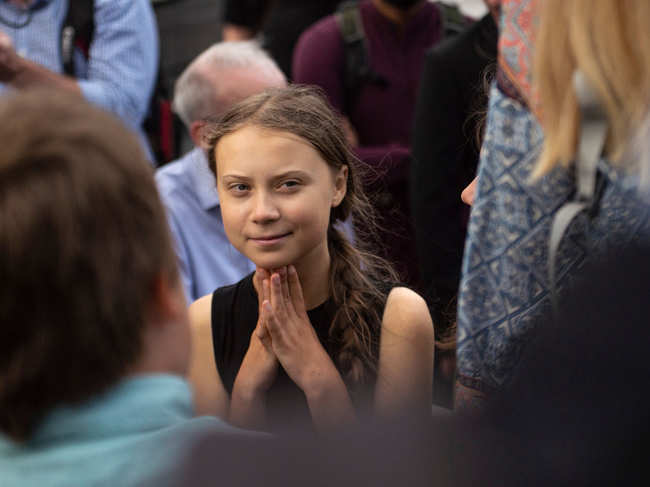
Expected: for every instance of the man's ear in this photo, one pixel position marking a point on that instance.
(196, 133)
(167, 299)
(340, 186)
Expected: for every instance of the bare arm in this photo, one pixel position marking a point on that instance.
(405, 375)
(210, 397)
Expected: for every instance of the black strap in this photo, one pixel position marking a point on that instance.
(594, 128)
(77, 30)
(357, 70)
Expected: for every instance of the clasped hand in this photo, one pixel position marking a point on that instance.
(285, 333)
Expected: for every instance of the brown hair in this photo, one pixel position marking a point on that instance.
(82, 238)
(356, 274)
(609, 42)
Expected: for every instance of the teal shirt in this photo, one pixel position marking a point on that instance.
(134, 434)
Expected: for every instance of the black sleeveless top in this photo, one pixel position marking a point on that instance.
(234, 317)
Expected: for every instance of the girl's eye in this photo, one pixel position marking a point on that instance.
(239, 187)
(289, 185)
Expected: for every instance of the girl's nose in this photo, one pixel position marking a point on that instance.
(265, 209)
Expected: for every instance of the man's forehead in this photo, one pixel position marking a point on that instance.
(235, 84)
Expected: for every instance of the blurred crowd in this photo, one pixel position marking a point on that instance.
(342, 242)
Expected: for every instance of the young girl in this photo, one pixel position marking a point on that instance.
(319, 322)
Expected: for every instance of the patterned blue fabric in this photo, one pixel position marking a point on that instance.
(136, 433)
(123, 59)
(207, 259)
(504, 287)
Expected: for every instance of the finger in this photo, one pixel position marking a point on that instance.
(266, 290)
(277, 300)
(295, 289)
(269, 319)
(258, 279)
(284, 277)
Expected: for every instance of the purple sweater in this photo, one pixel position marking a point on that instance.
(381, 115)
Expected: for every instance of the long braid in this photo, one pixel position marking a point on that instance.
(356, 324)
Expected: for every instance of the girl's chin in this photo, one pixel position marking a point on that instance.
(270, 264)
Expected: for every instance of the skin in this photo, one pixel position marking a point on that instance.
(230, 86)
(276, 194)
(468, 193)
(167, 336)
(22, 73)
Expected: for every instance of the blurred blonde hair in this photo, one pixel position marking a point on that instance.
(609, 41)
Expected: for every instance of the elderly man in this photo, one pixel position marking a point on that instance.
(221, 76)
(103, 50)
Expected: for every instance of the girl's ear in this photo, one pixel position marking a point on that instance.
(340, 186)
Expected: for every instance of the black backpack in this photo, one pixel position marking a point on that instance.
(159, 125)
(357, 61)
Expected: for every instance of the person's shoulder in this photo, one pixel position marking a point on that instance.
(173, 180)
(407, 314)
(464, 43)
(200, 313)
(326, 30)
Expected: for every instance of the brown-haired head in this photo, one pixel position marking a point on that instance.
(357, 277)
(83, 238)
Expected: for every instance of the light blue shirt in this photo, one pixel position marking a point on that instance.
(137, 433)
(207, 259)
(122, 64)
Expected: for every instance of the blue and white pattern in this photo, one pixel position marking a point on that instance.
(505, 286)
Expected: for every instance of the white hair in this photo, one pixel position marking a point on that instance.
(195, 92)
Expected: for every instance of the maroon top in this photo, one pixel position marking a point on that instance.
(381, 114)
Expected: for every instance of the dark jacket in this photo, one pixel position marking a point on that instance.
(450, 110)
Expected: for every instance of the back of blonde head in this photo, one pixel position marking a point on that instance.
(609, 41)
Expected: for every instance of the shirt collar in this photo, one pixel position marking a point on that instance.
(136, 404)
(202, 179)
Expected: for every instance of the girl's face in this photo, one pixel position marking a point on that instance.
(276, 193)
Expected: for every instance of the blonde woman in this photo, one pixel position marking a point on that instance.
(526, 175)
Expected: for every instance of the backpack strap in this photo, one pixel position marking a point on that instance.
(76, 31)
(593, 133)
(453, 20)
(357, 69)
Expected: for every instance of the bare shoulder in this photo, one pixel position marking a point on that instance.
(407, 314)
(210, 396)
(200, 312)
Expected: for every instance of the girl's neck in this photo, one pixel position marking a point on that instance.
(313, 270)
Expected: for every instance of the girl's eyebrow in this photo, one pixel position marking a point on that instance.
(238, 177)
(296, 173)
